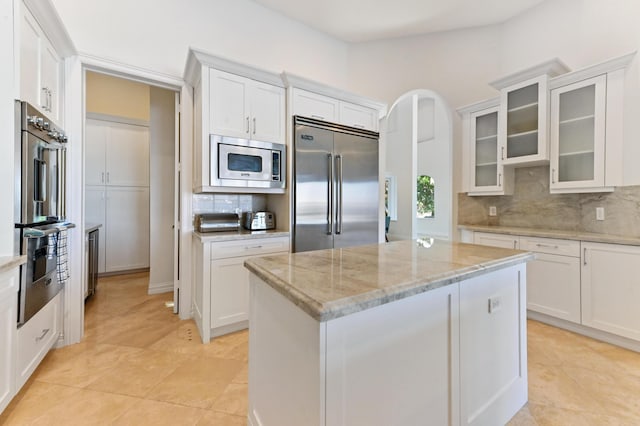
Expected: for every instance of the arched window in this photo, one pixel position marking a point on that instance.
(426, 193)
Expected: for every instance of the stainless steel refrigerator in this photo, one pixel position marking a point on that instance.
(335, 186)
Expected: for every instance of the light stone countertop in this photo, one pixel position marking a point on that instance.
(554, 233)
(242, 234)
(329, 284)
(7, 263)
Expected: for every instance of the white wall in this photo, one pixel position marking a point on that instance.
(162, 194)
(156, 35)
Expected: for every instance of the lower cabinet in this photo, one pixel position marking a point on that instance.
(221, 296)
(611, 288)
(35, 338)
(8, 321)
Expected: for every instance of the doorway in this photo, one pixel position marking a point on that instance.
(131, 149)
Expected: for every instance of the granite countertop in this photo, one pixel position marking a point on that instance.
(89, 227)
(329, 284)
(7, 263)
(241, 234)
(555, 233)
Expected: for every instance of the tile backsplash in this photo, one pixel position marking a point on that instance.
(532, 206)
(228, 203)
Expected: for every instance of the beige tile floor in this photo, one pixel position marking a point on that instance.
(138, 364)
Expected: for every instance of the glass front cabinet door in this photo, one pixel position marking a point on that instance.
(577, 135)
(486, 173)
(523, 122)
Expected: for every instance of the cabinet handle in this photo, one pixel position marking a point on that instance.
(252, 247)
(49, 99)
(318, 117)
(515, 244)
(254, 125)
(584, 256)
(547, 245)
(359, 126)
(247, 125)
(45, 98)
(44, 333)
(108, 179)
(102, 178)
(553, 175)
(499, 179)
(502, 152)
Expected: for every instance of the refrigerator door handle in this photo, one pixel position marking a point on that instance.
(339, 196)
(330, 195)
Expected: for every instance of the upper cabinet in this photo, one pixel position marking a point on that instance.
(522, 131)
(40, 68)
(587, 142)
(315, 100)
(484, 171)
(41, 42)
(245, 108)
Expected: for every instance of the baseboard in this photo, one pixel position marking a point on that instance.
(157, 288)
(231, 328)
(623, 342)
(123, 272)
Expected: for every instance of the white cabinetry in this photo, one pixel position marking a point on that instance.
(327, 108)
(40, 68)
(587, 139)
(553, 278)
(524, 108)
(8, 316)
(496, 240)
(221, 298)
(117, 192)
(246, 108)
(36, 337)
(611, 288)
(484, 173)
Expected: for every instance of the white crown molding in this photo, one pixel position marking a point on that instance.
(552, 68)
(117, 119)
(478, 106)
(49, 19)
(294, 81)
(610, 65)
(223, 64)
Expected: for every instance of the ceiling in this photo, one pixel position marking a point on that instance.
(368, 20)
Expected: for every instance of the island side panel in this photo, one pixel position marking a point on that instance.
(202, 288)
(286, 361)
(396, 364)
(493, 346)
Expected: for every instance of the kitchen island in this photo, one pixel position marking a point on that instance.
(408, 332)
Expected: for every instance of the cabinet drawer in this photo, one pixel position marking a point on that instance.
(496, 240)
(249, 247)
(35, 338)
(550, 246)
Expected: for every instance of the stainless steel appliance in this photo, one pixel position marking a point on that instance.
(335, 186)
(40, 159)
(247, 163)
(213, 222)
(259, 221)
(93, 252)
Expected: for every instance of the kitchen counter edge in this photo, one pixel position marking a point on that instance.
(554, 233)
(210, 237)
(8, 263)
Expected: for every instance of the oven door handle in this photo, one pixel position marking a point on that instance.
(38, 233)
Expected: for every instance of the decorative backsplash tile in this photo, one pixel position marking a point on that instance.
(228, 203)
(532, 206)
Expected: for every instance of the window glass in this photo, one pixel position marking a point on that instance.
(426, 192)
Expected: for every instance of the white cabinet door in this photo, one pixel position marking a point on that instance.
(358, 116)
(267, 112)
(577, 135)
(50, 78)
(228, 107)
(94, 212)
(96, 135)
(127, 155)
(229, 291)
(127, 231)
(29, 59)
(312, 105)
(496, 240)
(8, 315)
(611, 288)
(486, 166)
(553, 286)
(523, 122)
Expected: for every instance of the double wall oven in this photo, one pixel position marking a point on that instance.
(39, 207)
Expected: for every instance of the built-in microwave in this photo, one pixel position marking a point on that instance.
(247, 163)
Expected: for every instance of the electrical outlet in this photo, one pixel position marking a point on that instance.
(493, 211)
(495, 304)
(599, 213)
